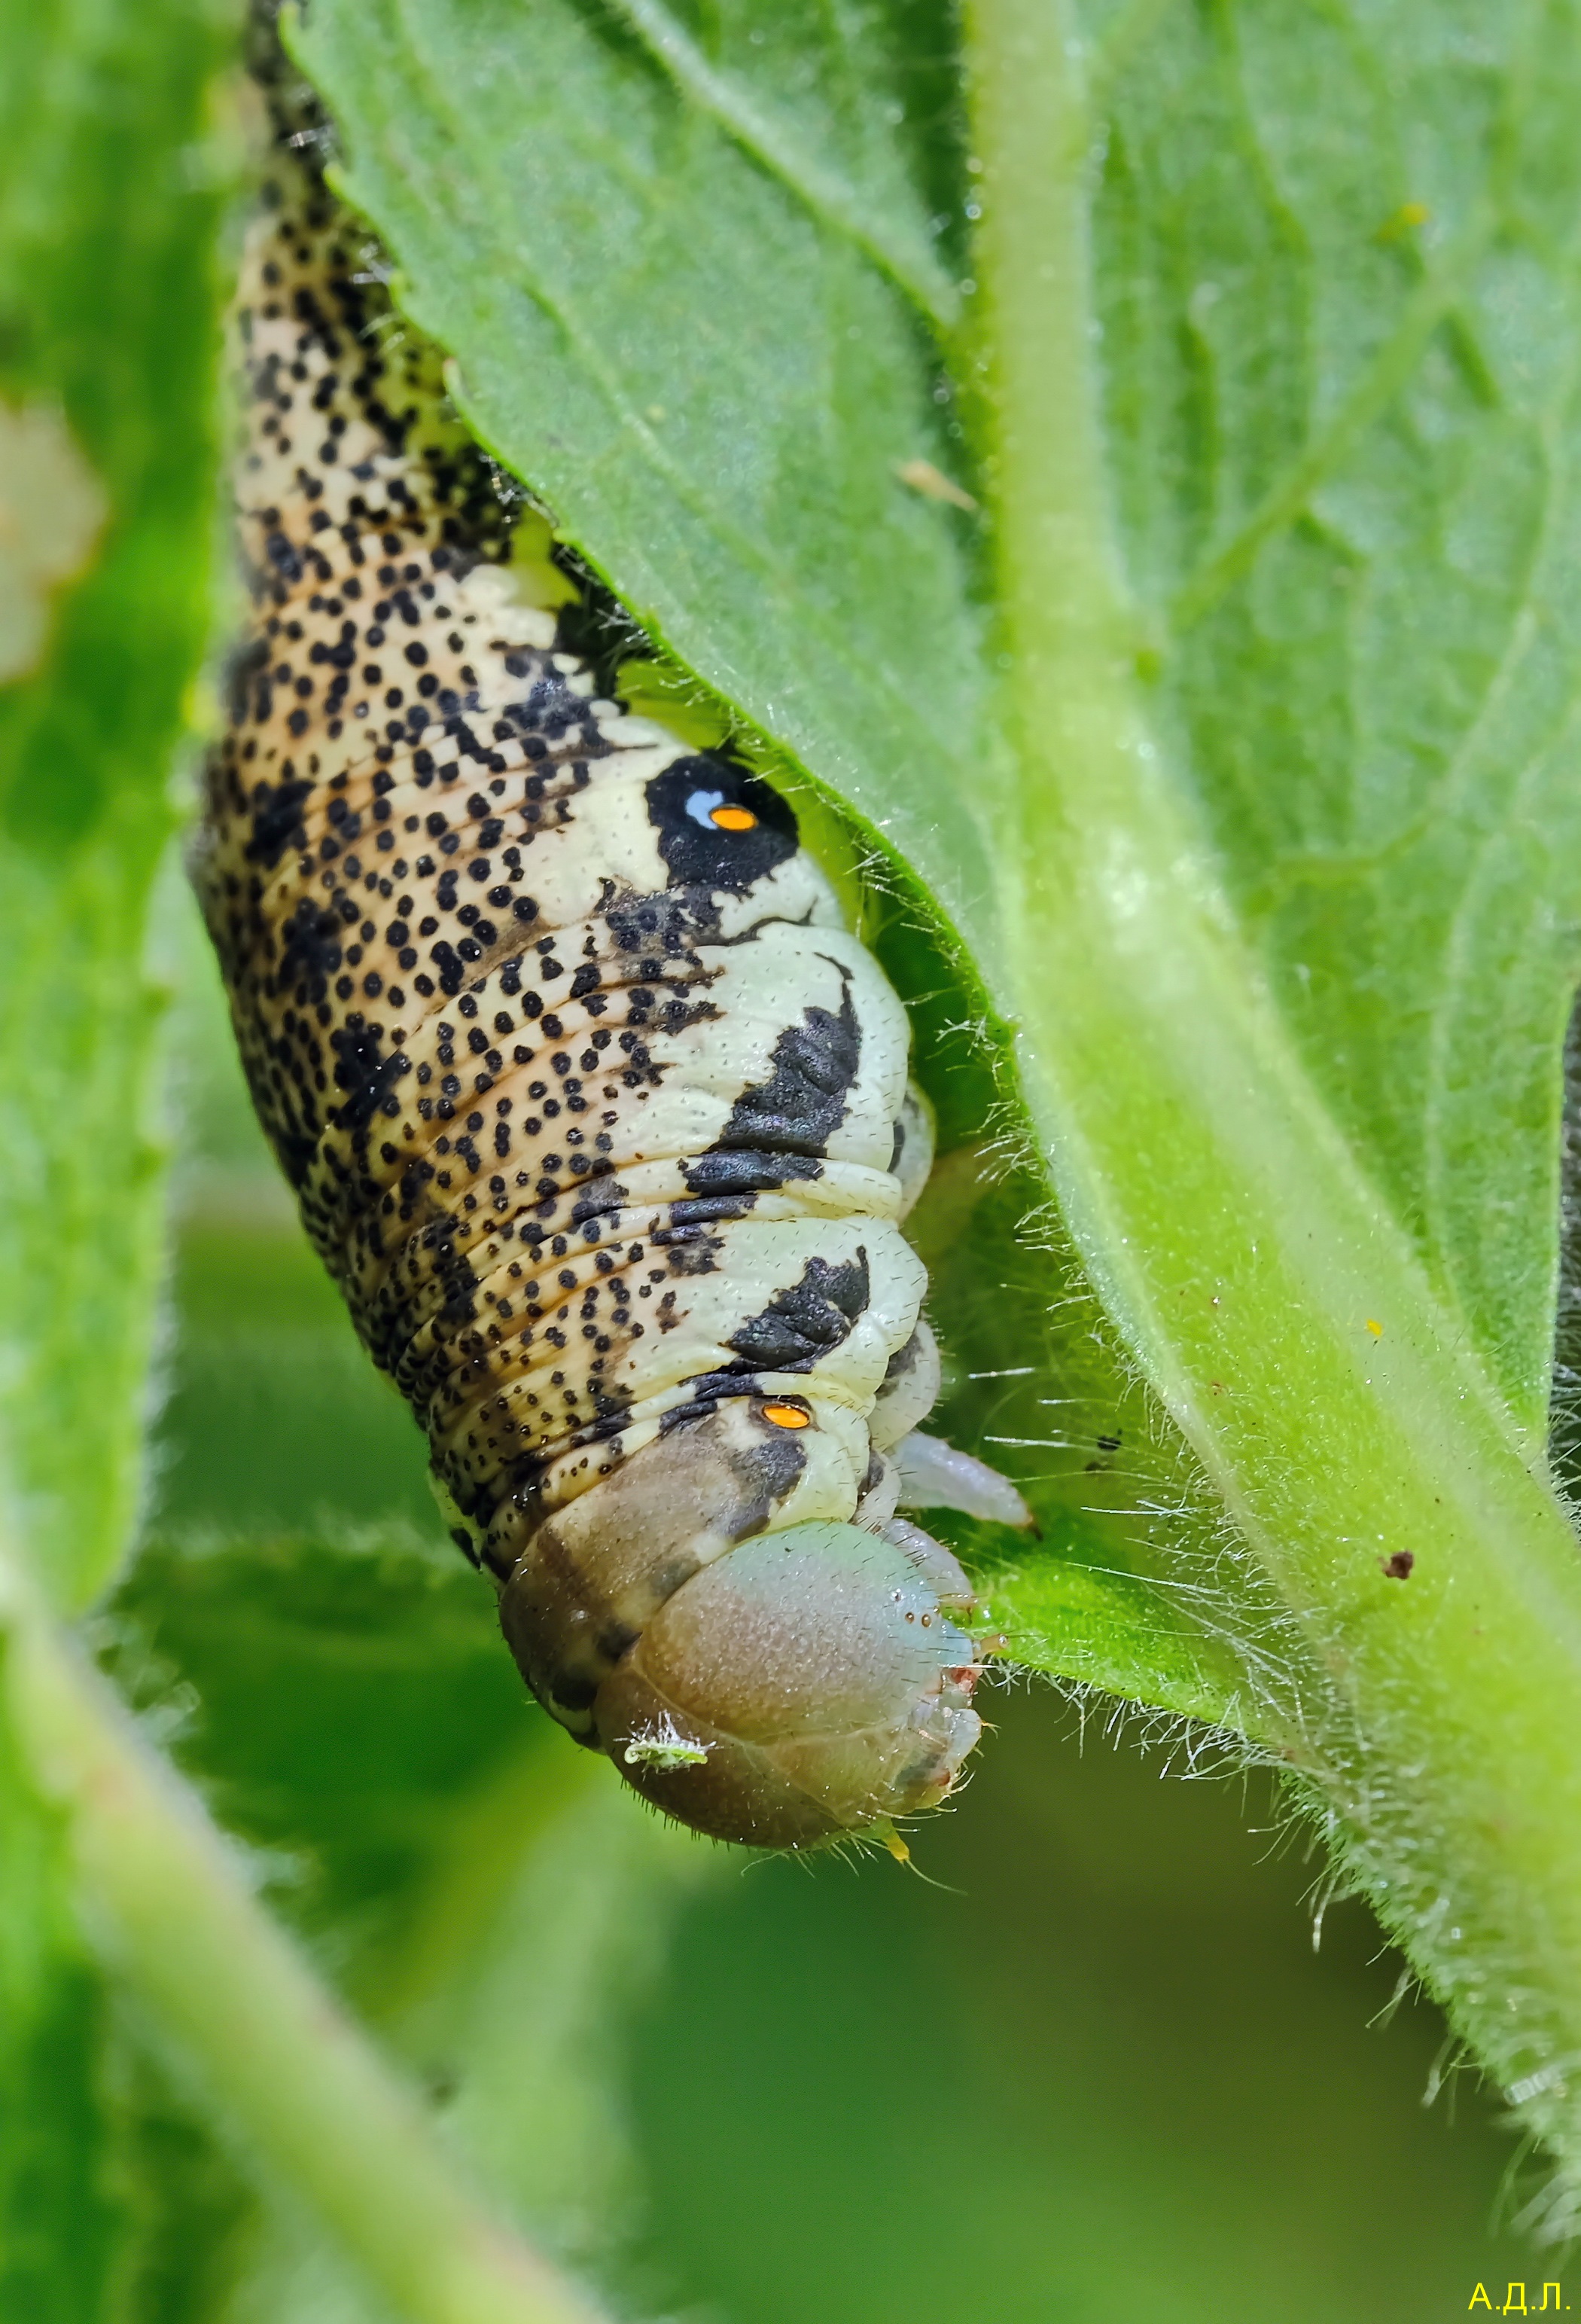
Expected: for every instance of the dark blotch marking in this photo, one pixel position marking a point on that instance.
(800, 1325)
(277, 812)
(795, 1112)
(765, 1472)
(736, 1177)
(365, 1074)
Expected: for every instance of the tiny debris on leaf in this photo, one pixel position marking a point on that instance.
(933, 485)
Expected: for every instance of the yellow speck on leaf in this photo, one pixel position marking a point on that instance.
(51, 510)
(1375, 1329)
(1402, 221)
(932, 483)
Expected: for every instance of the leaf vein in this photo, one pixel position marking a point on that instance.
(828, 193)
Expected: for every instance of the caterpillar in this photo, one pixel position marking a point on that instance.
(595, 1111)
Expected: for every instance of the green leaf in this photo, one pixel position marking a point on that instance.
(863, 127)
(109, 201)
(350, 1686)
(1341, 378)
(669, 272)
(1250, 800)
(343, 1698)
(1035, 1388)
(115, 166)
(668, 285)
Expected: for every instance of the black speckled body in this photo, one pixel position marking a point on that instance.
(595, 1111)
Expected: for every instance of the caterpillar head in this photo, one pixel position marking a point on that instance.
(810, 1683)
(752, 1665)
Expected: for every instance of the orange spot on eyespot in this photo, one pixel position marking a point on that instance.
(788, 1416)
(1375, 1329)
(733, 818)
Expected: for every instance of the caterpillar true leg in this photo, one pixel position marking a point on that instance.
(595, 1111)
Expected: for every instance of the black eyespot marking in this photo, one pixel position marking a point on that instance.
(696, 807)
(800, 1325)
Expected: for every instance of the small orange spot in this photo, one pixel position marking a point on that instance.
(788, 1416)
(733, 818)
(1375, 1329)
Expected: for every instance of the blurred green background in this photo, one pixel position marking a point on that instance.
(1084, 2067)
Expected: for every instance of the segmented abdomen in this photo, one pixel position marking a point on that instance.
(593, 1108)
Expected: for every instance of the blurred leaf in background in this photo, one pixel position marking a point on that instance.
(119, 152)
(60, 2221)
(115, 163)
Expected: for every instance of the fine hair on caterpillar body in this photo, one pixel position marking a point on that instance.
(595, 1110)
